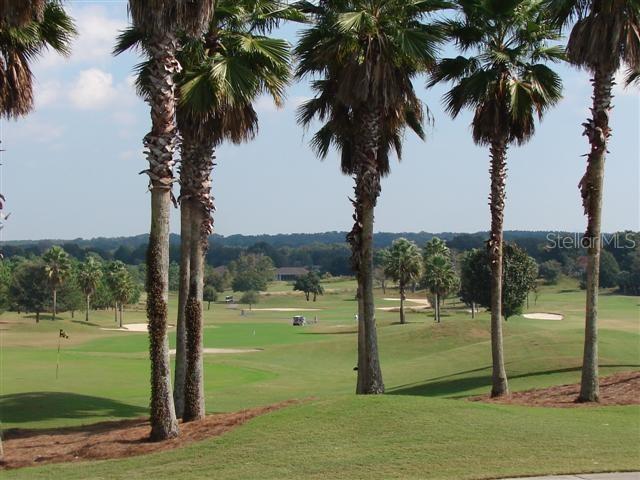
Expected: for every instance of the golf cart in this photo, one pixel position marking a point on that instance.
(299, 321)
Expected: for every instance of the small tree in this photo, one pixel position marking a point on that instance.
(252, 272)
(209, 295)
(57, 268)
(440, 278)
(519, 272)
(474, 268)
(250, 298)
(29, 289)
(402, 263)
(310, 285)
(550, 271)
(89, 275)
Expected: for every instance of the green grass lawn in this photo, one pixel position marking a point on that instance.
(423, 427)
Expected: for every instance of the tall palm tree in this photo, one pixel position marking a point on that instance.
(365, 54)
(89, 276)
(606, 35)
(225, 70)
(504, 80)
(161, 21)
(22, 39)
(403, 264)
(439, 277)
(57, 268)
(20, 13)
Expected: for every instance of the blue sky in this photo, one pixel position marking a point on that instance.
(70, 169)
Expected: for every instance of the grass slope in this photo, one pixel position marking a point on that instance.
(422, 429)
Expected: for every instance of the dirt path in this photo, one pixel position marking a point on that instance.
(618, 389)
(125, 438)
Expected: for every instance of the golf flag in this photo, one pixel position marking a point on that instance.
(62, 334)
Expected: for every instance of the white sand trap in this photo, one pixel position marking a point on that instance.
(223, 350)
(419, 301)
(284, 310)
(408, 309)
(132, 327)
(543, 316)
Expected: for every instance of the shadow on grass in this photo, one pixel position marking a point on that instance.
(38, 406)
(453, 387)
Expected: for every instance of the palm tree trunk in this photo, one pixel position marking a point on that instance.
(362, 359)
(402, 319)
(437, 308)
(55, 302)
(198, 163)
(86, 317)
(367, 191)
(473, 310)
(160, 145)
(183, 293)
(194, 381)
(498, 173)
(115, 312)
(598, 132)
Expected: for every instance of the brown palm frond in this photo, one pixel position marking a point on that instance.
(16, 86)
(20, 12)
(607, 36)
(159, 15)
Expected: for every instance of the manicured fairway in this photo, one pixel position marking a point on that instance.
(424, 428)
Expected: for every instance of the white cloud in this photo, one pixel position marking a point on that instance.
(97, 32)
(48, 93)
(35, 130)
(93, 89)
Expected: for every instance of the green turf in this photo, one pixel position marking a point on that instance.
(423, 428)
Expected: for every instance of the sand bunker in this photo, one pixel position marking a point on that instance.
(543, 316)
(285, 310)
(132, 327)
(419, 301)
(223, 350)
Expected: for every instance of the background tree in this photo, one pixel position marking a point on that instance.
(123, 290)
(250, 297)
(114, 270)
(364, 55)
(473, 272)
(251, 272)
(519, 272)
(57, 268)
(89, 276)
(550, 271)
(436, 246)
(309, 284)
(403, 265)
(615, 24)
(506, 85)
(439, 278)
(29, 289)
(70, 296)
(210, 294)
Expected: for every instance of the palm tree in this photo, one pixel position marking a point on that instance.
(89, 276)
(123, 290)
(403, 264)
(439, 277)
(225, 71)
(365, 54)
(57, 268)
(505, 82)
(606, 34)
(21, 43)
(20, 13)
(160, 21)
